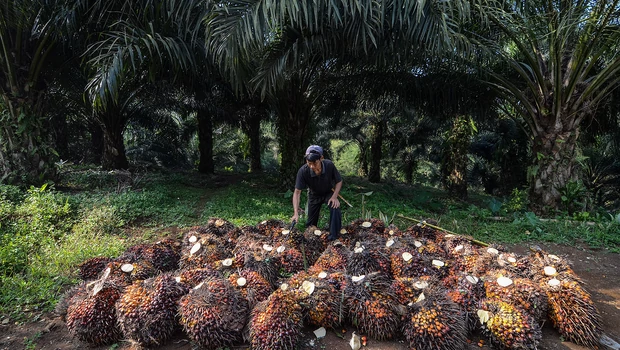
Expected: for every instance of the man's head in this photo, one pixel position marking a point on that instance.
(313, 153)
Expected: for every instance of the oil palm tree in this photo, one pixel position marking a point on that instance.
(294, 42)
(562, 63)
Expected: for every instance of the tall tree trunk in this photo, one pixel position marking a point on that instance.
(25, 154)
(61, 141)
(96, 143)
(294, 114)
(554, 166)
(205, 142)
(114, 156)
(454, 162)
(205, 130)
(376, 145)
(251, 127)
(409, 166)
(362, 171)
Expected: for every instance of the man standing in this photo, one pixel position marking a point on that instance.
(324, 181)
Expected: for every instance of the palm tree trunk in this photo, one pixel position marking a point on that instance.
(251, 127)
(362, 171)
(454, 162)
(376, 144)
(205, 142)
(294, 115)
(96, 142)
(114, 157)
(554, 166)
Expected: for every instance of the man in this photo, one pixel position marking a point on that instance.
(324, 181)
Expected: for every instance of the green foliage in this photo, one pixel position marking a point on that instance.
(517, 202)
(574, 196)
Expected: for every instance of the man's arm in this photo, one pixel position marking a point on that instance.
(333, 201)
(296, 199)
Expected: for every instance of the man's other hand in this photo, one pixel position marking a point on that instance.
(333, 203)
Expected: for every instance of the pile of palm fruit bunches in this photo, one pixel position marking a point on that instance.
(225, 285)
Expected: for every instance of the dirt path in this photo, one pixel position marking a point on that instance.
(599, 269)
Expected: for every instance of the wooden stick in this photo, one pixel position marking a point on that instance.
(424, 223)
(344, 200)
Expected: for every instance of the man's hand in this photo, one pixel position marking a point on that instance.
(333, 202)
(295, 218)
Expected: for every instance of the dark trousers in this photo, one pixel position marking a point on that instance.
(335, 215)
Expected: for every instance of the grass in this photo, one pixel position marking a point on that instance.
(46, 232)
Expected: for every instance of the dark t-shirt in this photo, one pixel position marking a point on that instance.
(321, 184)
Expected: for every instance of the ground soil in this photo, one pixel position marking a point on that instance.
(599, 269)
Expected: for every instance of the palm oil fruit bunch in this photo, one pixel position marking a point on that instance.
(271, 228)
(366, 258)
(287, 257)
(434, 322)
(545, 266)
(147, 309)
(276, 323)
(213, 314)
(320, 297)
(372, 305)
(191, 278)
(422, 230)
(507, 326)
(391, 231)
(407, 289)
(406, 262)
(572, 311)
(367, 228)
(334, 258)
(76, 292)
(219, 227)
(91, 316)
(520, 292)
(252, 286)
(201, 251)
(467, 292)
(163, 255)
(91, 268)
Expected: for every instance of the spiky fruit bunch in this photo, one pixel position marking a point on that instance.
(422, 230)
(486, 261)
(201, 251)
(91, 316)
(515, 263)
(520, 292)
(366, 227)
(276, 323)
(407, 262)
(372, 305)
(213, 314)
(78, 292)
(507, 326)
(264, 265)
(467, 263)
(366, 258)
(434, 322)
(392, 231)
(271, 228)
(124, 273)
(146, 310)
(252, 245)
(467, 291)
(407, 289)
(91, 268)
(289, 260)
(320, 297)
(191, 278)
(428, 248)
(219, 227)
(252, 286)
(315, 239)
(163, 255)
(572, 311)
(456, 246)
(544, 266)
(334, 258)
